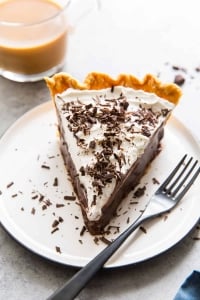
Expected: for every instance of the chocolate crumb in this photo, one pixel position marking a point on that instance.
(22, 209)
(80, 241)
(55, 223)
(60, 219)
(128, 220)
(139, 192)
(165, 218)
(96, 240)
(82, 170)
(179, 80)
(92, 144)
(44, 207)
(58, 249)
(55, 183)
(0, 192)
(178, 68)
(197, 69)
(196, 238)
(9, 184)
(33, 211)
(34, 197)
(155, 181)
(143, 229)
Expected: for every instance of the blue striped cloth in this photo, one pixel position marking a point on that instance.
(190, 289)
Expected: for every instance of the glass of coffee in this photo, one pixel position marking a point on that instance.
(33, 37)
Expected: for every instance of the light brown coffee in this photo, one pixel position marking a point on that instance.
(32, 45)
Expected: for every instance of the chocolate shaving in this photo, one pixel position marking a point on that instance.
(70, 198)
(178, 68)
(54, 230)
(105, 240)
(82, 231)
(133, 202)
(9, 184)
(116, 228)
(58, 205)
(14, 195)
(45, 167)
(41, 198)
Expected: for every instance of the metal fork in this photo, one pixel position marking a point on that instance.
(168, 195)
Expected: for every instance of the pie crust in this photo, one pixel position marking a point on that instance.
(96, 81)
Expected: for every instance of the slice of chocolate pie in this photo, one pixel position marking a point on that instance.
(110, 130)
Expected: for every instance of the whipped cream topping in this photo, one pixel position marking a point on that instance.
(107, 131)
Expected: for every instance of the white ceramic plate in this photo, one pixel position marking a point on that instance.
(33, 183)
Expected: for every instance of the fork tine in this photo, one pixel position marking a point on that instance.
(173, 194)
(184, 191)
(179, 176)
(171, 175)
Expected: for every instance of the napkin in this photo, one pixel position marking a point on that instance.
(190, 289)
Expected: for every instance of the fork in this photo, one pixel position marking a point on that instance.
(167, 196)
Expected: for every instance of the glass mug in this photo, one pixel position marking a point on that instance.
(34, 34)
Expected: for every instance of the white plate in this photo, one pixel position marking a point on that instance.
(32, 142)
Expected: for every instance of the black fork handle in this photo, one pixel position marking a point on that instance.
(73, 287)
